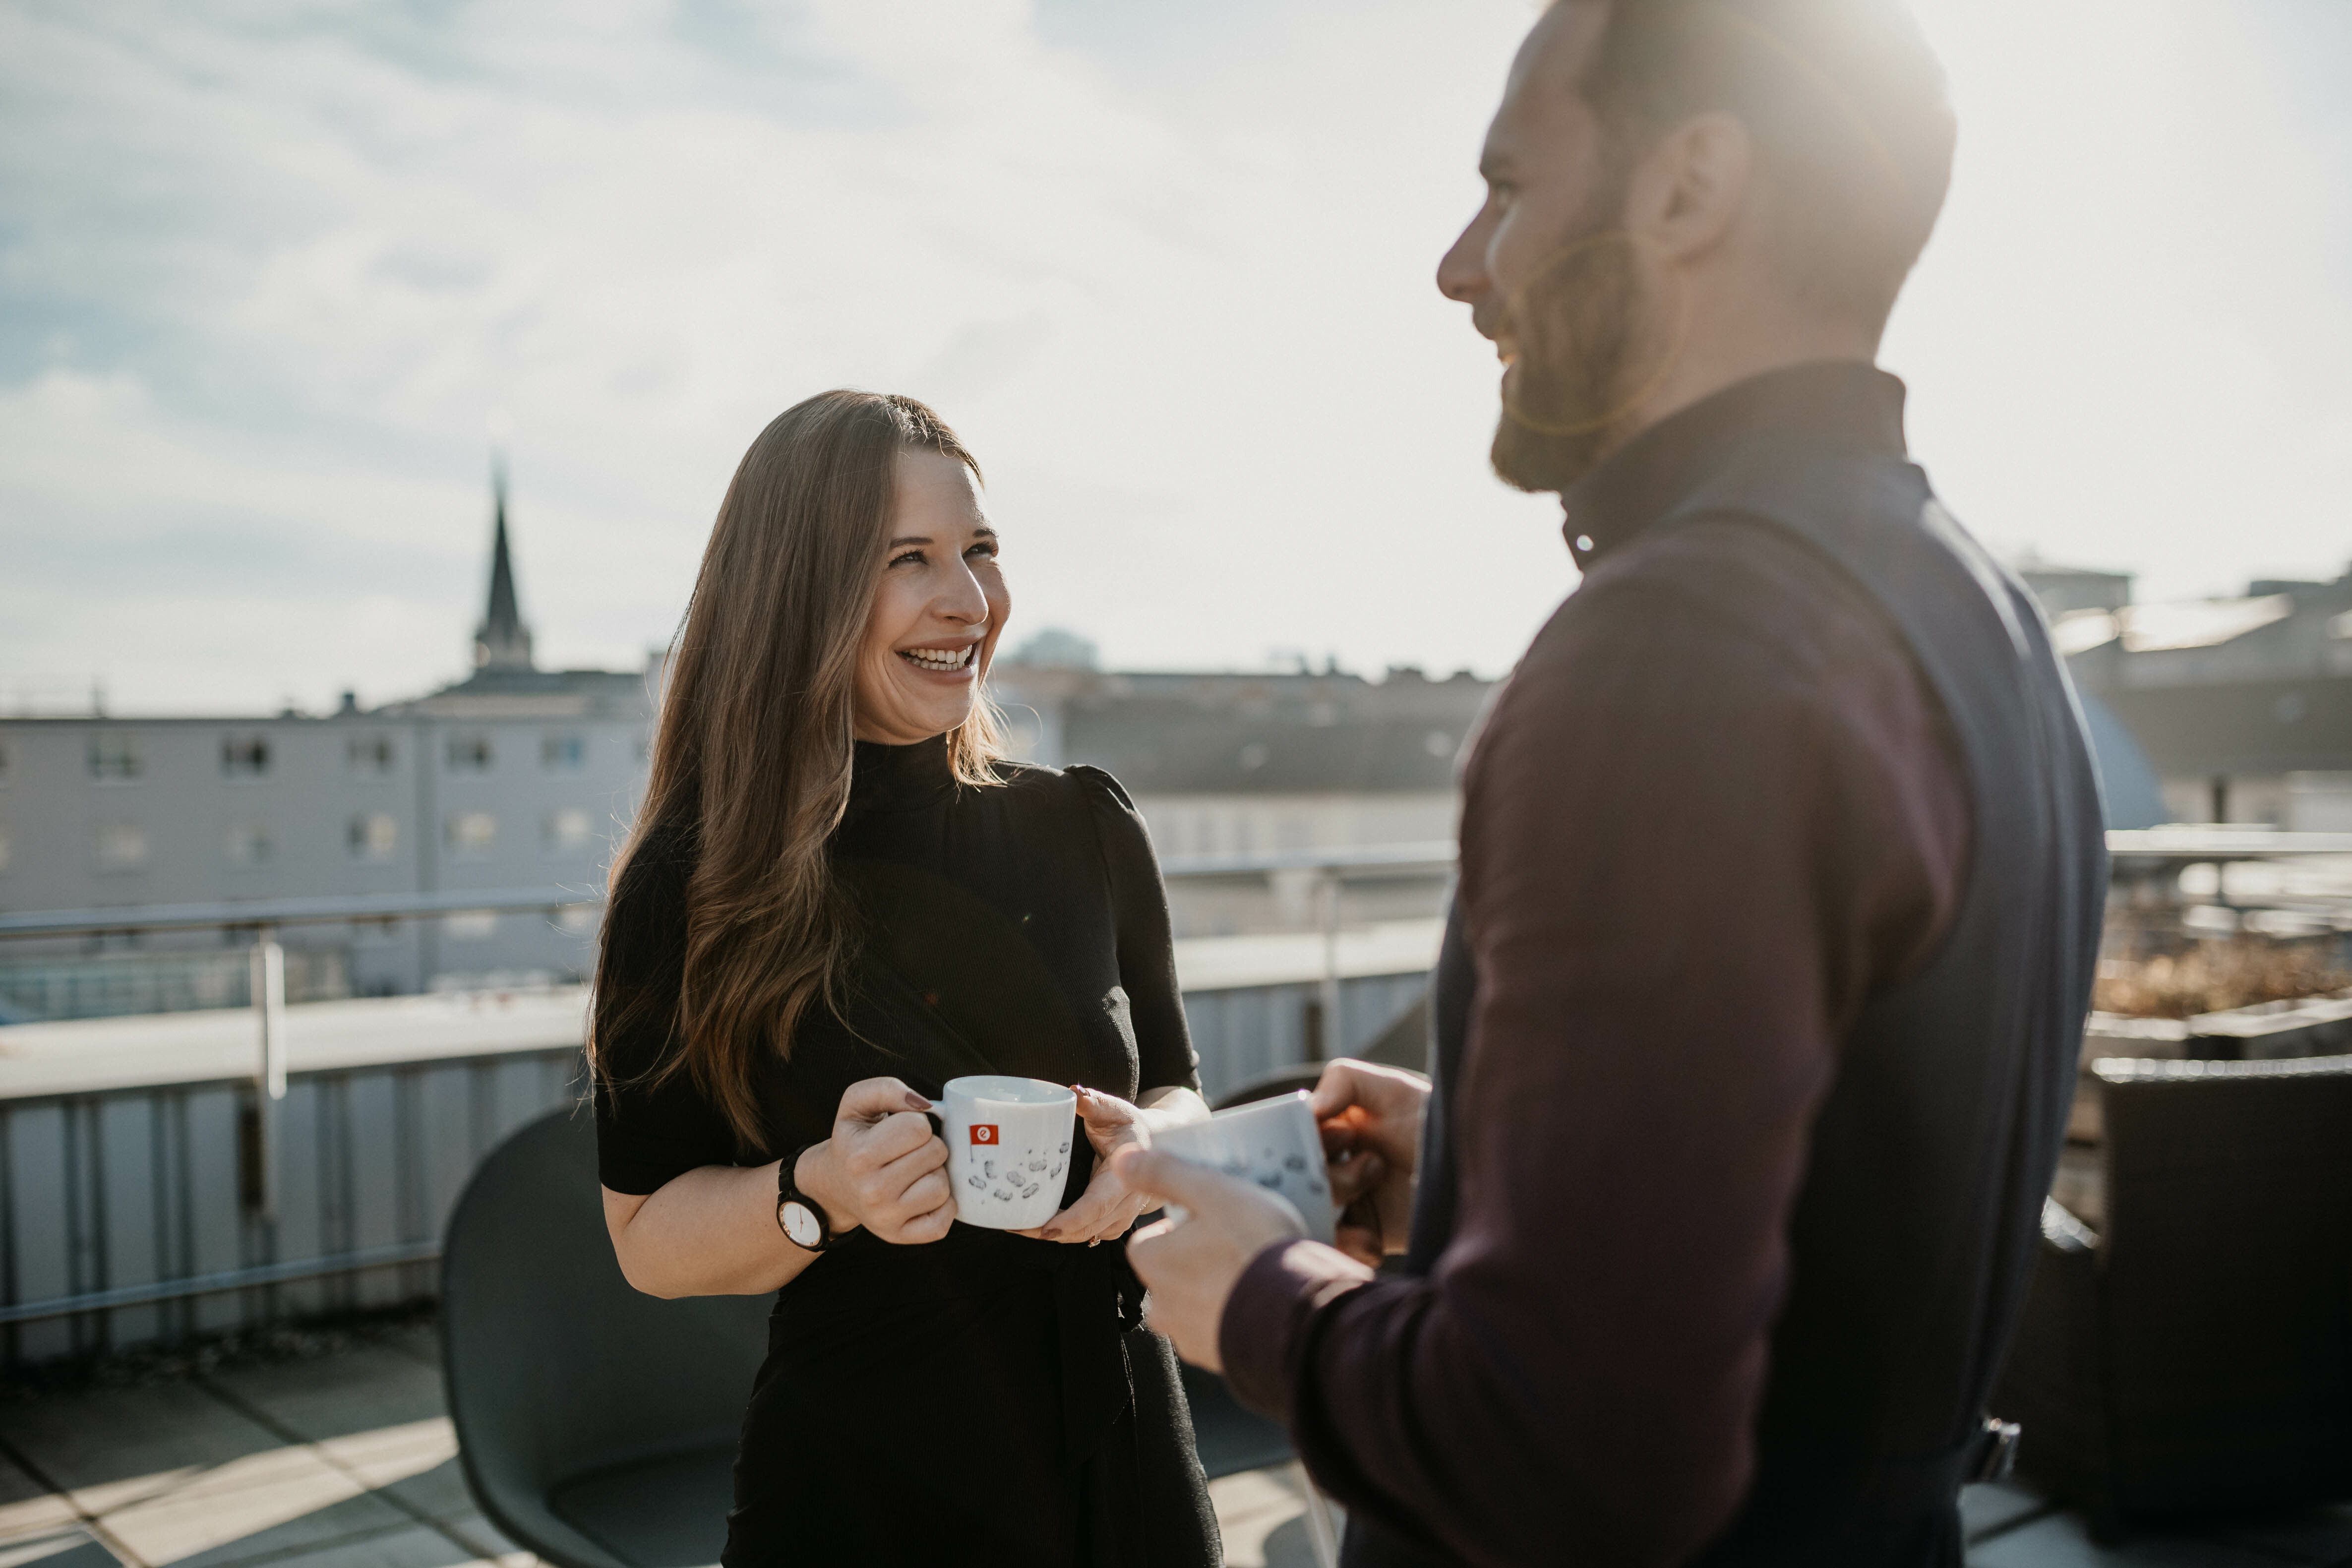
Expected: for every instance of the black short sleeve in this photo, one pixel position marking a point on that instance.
(648, 1133)
(1147, 948)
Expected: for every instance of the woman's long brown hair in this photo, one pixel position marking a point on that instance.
(752, 755)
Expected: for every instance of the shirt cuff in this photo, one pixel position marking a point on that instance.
(1262, 1337)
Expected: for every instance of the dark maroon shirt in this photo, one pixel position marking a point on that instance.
(1714, 810)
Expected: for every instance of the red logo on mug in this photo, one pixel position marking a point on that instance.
(984, 1133)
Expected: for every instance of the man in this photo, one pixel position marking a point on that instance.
(1781, 886)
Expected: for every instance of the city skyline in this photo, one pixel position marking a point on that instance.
(272, 280)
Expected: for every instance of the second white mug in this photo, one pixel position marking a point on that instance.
(1273, 1142)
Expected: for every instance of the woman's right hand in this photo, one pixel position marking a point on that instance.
(883, 1168)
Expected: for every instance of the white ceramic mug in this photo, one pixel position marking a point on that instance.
(1009, 1143)
(1274, 1142)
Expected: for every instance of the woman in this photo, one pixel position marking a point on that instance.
(836, 898)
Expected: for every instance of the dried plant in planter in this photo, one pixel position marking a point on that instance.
(2216, 975)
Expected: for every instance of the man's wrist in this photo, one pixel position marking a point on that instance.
(1267, 1312)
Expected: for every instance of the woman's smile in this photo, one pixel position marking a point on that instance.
(953, 661)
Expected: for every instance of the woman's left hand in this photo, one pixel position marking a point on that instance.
(1108, 1206)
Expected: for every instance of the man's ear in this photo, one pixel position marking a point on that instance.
(1691, 189)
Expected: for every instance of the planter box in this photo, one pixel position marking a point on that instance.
(2269, 1031)
(2305, 1026)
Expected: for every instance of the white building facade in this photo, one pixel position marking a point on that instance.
(516, 778)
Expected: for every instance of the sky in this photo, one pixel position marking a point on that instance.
(274, 274)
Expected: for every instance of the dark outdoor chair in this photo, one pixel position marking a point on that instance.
(597, 1426)
(1403, 1043)
(2196, 1354)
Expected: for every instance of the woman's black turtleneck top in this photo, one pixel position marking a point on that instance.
(988, 1397)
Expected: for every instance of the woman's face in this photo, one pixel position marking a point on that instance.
(938, 610)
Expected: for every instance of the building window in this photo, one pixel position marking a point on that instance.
(4, 766)
(121, 846)
(114, 755)
(249, 844)
(576, 920)
(245, 756)
(374, 837)
(469, 753)
(563, 753)
(567, 831)
(470, 925)
(371, 756)
(472, 833)
(4, 846)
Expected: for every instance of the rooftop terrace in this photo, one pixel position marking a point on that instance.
(323, 1447)
(333, 1451)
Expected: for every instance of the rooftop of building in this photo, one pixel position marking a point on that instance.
(1257, 732)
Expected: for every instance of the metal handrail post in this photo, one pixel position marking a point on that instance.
(1331, 1043)
(268, 978)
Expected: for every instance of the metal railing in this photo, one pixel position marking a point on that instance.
(2141, 852)
(223, 1283)
(262, 917)
(248, 914)
(1364, 861)
(2183, 844)
(1329, 869)
(2144, 847)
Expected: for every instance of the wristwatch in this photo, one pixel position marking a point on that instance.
(798, 1216)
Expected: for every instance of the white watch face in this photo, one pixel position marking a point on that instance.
(802, 1225)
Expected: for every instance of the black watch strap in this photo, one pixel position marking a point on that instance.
(800, 1217)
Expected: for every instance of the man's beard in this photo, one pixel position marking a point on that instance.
(1575, 328)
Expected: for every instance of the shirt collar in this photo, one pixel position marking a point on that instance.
(1834, 402)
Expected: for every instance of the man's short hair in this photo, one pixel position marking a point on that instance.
(1845, 102)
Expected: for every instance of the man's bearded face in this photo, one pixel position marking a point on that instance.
(1575, 327)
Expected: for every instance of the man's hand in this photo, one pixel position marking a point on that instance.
(1191, 1265)
(1371, 1117)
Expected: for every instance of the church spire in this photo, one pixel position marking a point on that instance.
(502, 642)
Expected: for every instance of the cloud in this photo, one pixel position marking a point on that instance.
(266, 269)
(2126, 340)
(323, 250)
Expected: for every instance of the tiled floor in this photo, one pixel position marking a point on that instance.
(347, 1461)
(1262, 1516)
(343, 1462)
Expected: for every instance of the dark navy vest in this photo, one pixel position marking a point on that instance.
(1913, 1232)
